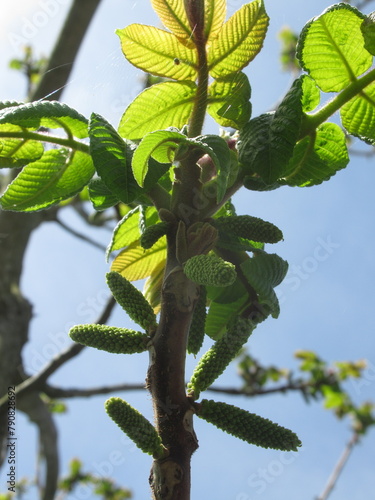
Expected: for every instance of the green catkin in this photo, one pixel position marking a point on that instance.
(213, 363)
(132, 301)
(197, 327)
(247, 426)
(135, 426)
(110, 338)
(153, 233)
(250, 228)
(210, 270)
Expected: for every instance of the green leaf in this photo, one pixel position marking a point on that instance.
(331, 48)
(49, 114)
(56, 176)
(110, 157)
(368, 32)
(264, 272)
(239, 40)
(173, 16)
(310, 94)
(267, 142)
(161, 145)
(135, 263)
(214, 17)
(100, 196)
(18, 152)
(318, 157)
(158, 52)
(218, 150)
(163, 105)
(127, 230)
(358, 114)
(229, 100)
(220, 314)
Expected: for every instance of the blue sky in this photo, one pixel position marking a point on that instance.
(326, 300)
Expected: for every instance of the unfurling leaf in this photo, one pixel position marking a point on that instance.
(132, 301)
(135, 426)
(109, 338)
(247, 426)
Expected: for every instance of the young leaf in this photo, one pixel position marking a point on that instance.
(173, 16)
(100, 196)
(156, 51)
(16, 152)
(247, 426)
(358, 114)
(56, 176)
(264, 272)
(310, 94)
(49, 114)
(214, 17)
(163, 105)
(368, 32)
(239, 40)
(161, 145)
(218, 150)
(331, 48)
(153, 285)
(110, 157)
(220, 315)
(267, 142)
(318, 157)
(229, 100)
(135, 263)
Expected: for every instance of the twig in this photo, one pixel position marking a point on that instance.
(57, 392)
(339, 467)
(79, 235)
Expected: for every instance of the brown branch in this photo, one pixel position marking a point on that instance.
(62, 59)
(58, 393)
(339, 467)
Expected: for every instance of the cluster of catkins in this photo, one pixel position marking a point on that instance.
(204, 270)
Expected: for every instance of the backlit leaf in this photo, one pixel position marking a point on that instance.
(317, 157)
(100, 196)
(229, 100)
(135, 263)
(160, 145)
(214, 17)
(267, 142)
(310, 94)
(239, 40)
(331, 47)
(158, 52)
(219, 315)
(128, 231)
(163, 105)
(49, 114)
(56, 176)
(358, 114)
(264, 272)
(16, 152)
(153, 285)
(368, 32)
(173, 16)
